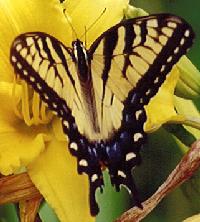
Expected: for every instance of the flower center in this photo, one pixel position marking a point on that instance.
(29, 107)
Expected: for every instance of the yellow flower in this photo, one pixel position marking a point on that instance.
(30, 135)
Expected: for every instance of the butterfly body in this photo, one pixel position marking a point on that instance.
(100, 93)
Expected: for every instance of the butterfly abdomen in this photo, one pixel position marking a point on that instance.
(87, 88)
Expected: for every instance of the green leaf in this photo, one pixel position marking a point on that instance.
(47, 214)
(8, 213)
(112, 203)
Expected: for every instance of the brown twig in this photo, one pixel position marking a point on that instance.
(16, 188)
(29, 209)
(183, 171)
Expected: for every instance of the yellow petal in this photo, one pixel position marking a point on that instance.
(54, 174)
(6, 96)
(161, 107)
(195, 218)
(58, 130)
(94, 16)
(17, 150)
(19, 143)
(19, 16)
(186, 107)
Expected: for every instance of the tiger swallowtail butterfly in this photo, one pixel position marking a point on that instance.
(100, 93)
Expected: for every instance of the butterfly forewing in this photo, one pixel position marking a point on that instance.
(138, 52)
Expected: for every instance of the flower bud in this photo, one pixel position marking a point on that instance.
(132, 12)
(188, 86)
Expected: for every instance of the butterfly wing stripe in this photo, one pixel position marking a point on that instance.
(129, 38)
(46, 49)
(144, 32)
(110, 43)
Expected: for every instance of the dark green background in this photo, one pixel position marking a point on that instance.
(160, 155)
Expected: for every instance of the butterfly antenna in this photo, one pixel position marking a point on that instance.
(86, 30)
(70, 23)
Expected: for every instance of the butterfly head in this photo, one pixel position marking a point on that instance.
(77, 43)
(80, 59)
(79, 50)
